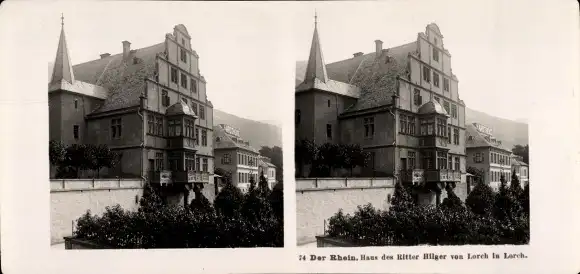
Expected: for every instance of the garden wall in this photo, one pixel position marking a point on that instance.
(318, 199)
(70, 198)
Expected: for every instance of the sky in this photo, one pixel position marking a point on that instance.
(238, 46)
(497, 48)
(500, 49)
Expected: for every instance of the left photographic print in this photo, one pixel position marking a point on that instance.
(155, 140)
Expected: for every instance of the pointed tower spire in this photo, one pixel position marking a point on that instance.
(62, 69)
(316, 68)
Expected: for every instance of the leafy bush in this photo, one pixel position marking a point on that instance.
(486, 220)
(237, 221)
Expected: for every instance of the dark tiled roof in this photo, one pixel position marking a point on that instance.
(125, 80)
(478, 140)
(376, 77)
(180, 108)
(432, 107)
(227, 142)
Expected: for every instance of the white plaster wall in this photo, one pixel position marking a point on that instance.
(315, 206)
(68, 205)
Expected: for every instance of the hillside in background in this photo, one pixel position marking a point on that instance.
(511, 133)
(257, 133)
(508, 131)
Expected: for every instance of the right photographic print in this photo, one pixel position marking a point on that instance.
(410, 129)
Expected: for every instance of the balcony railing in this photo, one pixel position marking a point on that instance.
(438, 175)
(178, 177)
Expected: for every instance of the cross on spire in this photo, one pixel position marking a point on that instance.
(315, 18)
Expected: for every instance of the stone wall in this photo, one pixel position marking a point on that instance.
(318, 199)
(70, 199)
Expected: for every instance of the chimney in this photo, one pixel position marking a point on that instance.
(105, 55)
(357, 54)
(126, 49)
(379, 47)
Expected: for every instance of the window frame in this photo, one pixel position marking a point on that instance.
(76, 130)
(174, 75)
(183, 80)
(116, 128)
(369, 125)
(426, 74)
(183, 55)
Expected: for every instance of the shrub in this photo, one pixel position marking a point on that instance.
(156, 225)
(452, 224)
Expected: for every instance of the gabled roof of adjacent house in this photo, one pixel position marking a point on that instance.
(226, 141)
(479, 140)
(519, 163)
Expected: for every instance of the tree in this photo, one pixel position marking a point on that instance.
(150, 201)
(252, 184)
(353, 155)
(228, 202)
(76, 159)
(480, 200)
(477, 174)
(226, 175)
(330, 156)
(263, 187)
(305, 152)
(401, 200)
(103, 157)
(506, 205)
(525, 200)
(200, 204)
(56, 152)
(523, 151)
(452, 202)
(277, 200)
(515, 186)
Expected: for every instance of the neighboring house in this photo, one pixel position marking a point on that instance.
(400, 104)
(269, 170)
(149, 105)
(521, 169)
(487, 154)
(235, 155)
